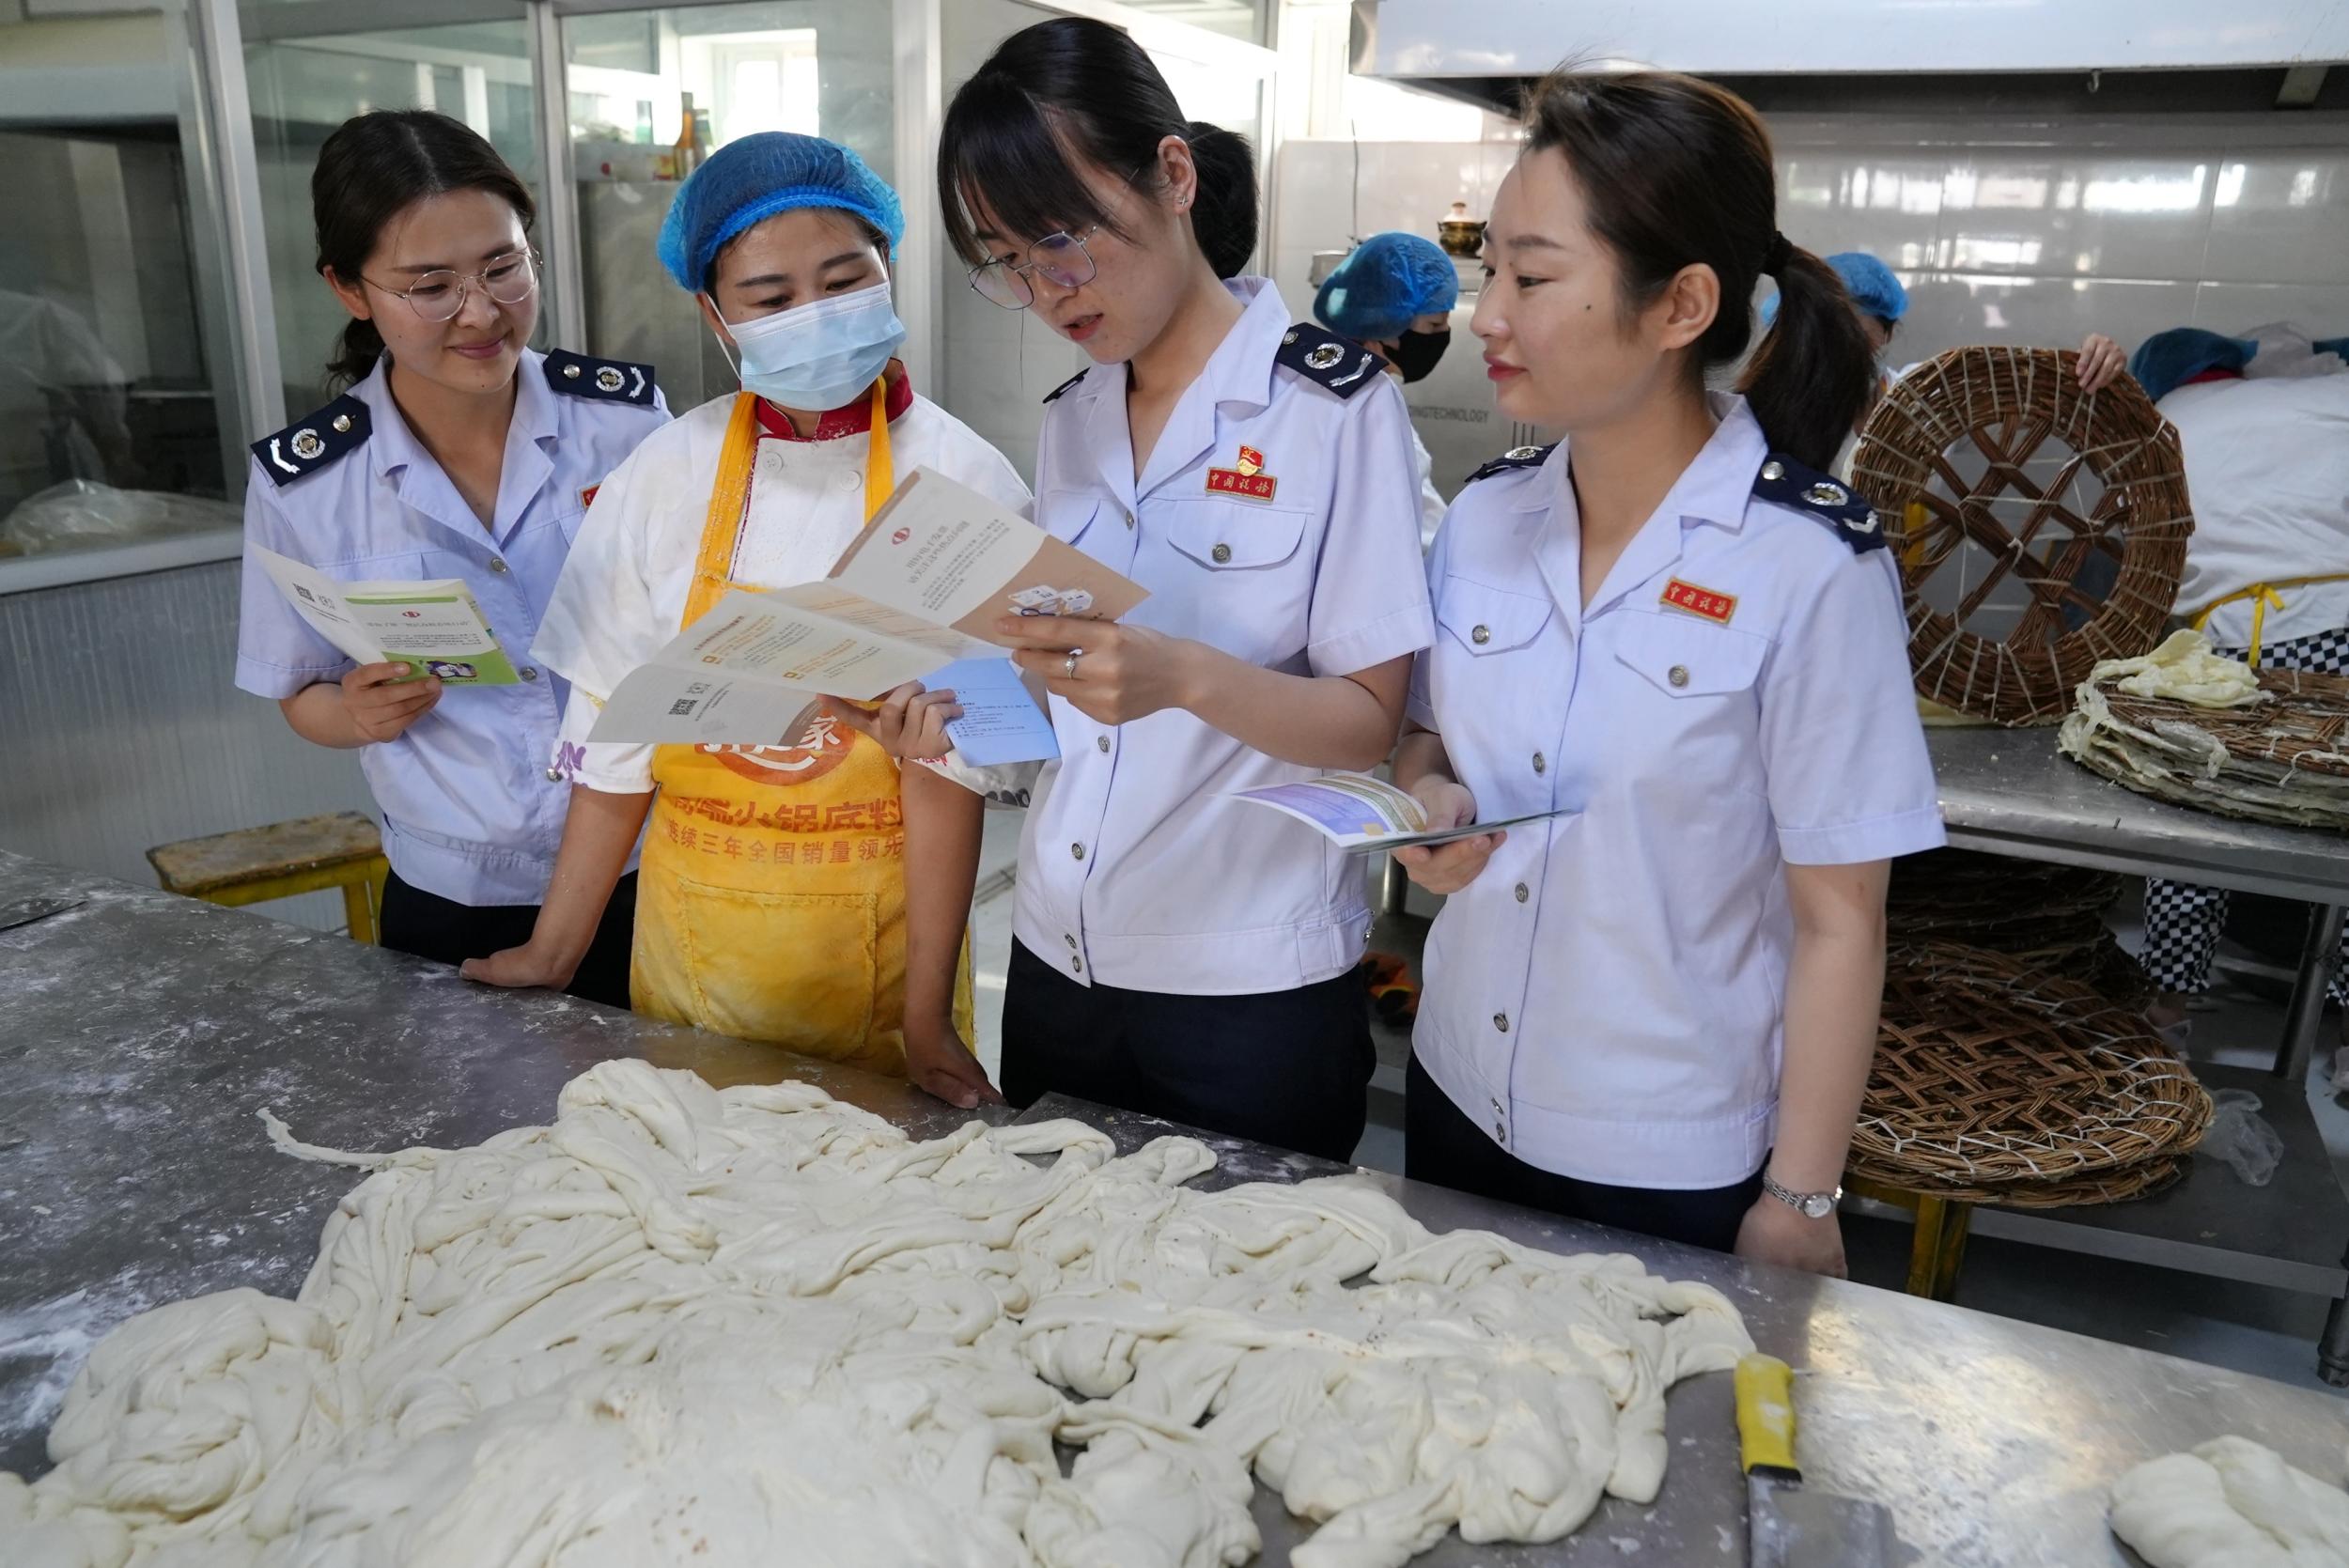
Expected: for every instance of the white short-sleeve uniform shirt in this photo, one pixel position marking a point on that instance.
(469, 813)
(1607, 999)
(1277, 519)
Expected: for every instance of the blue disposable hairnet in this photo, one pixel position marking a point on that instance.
(750, 180)
(2166, 361)
(1389, 279)
(1870, 283)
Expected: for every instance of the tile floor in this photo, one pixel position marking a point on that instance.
(2225, 1322)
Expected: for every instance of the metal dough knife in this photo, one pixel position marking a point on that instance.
(1791, 1525)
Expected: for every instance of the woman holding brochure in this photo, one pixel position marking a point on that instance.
(776, 903)
(1657, 1011)
(458, 454)
(1179, 953)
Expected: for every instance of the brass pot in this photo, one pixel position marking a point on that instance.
(1461, 236)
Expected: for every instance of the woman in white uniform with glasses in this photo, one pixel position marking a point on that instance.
(1178, 953)
(1656, 1009)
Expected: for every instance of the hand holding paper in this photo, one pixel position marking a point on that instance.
(922, 586)
(433, 628)
(1357, 812)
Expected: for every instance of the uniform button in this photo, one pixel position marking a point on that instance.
(1541, 763)
(1501, 1133)
(1070, 940)
(1678, 674)
(1076, 851)
(1524, 892)
(1221, 553)
(1076, 966)
(1501, 1022)
(497, 563)
(554, 775)
(528, 671)
(1481, 635)
(1129, 520)
(1102, 741)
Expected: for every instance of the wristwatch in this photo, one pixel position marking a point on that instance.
(1810, 1206)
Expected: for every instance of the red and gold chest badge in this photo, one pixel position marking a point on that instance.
(1703, 602)
(1246, 478)
(587, 496)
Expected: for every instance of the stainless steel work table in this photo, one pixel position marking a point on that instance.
(2010, 792)
(143, 1033)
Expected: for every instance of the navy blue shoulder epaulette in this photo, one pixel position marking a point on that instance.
(314, 440)
(1515, 457)
(1790, 484)
(607, 381)
(1066, 385)
(1335, 364)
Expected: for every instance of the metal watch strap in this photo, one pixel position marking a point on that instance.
(1800, 1201)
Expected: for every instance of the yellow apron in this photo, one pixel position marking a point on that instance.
(2263, 596)
(770, 904)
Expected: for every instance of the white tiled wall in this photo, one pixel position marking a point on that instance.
(2005, 231)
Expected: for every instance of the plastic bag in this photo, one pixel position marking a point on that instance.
(2242, 1138)
(82, 514)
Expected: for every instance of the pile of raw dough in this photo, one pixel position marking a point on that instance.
(681, 1326)
(2231, 1504)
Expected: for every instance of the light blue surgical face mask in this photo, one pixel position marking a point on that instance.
(817, 357)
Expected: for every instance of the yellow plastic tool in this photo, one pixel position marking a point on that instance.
(1791, 1525)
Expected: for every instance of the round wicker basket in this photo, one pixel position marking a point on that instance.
(1989, 1074)
(1946, 460)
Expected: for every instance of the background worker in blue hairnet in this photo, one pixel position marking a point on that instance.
(808, 893)
(1395, 294)
(1880, 302)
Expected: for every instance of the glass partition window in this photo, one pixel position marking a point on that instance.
(112, 389)
(304, 87)
(821, 68)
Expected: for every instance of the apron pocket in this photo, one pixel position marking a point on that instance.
(797, 969)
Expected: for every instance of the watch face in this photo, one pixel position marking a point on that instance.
(1818, 1205)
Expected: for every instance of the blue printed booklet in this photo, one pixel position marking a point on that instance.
(1000, 722)
(1359, 813)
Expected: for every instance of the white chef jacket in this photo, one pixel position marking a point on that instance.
(622, 595)
(1136, 868)
(2267, 474)
(1607, 998)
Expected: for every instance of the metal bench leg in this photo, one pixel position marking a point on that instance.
(2332, 1351)
(2318, 959)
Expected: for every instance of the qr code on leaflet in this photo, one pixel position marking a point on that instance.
(683, 708)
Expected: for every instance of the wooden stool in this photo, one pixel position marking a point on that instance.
(1937, 1249)
(309, 854)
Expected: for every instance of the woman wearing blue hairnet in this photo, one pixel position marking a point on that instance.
(778, 899)
(1395, 292)
(1880, 302)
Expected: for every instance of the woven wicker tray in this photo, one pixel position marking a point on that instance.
(2286, 760)
(1988, 1072)
(2001, 405)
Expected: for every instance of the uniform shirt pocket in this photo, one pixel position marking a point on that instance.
(1689, 659)
(1236, 536)
(1482, 620)
(1241, 579)
(1067, 514)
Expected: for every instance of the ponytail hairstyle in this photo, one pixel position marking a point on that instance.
(1676, 172)
(1074, 85)
(373, 168)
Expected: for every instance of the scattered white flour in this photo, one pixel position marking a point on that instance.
(2231, 1503)
(689, 1327)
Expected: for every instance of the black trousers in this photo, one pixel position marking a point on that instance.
(1441, 1145)
(1287, 1068)
(447, 932)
